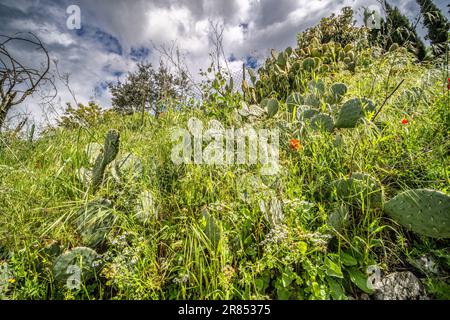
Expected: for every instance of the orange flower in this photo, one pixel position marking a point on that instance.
(405, 121)
(294, 144)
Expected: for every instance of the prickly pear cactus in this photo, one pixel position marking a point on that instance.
(424, 211)
(111, 147)
(126, 168)
(305, 113)
(272, 107)
(211, 228)
(312, 100)
(255, 111)
(146, 208)
(84, 175)
(252, 112)
(322, 121)
(282, 60)
(308, 64)
(339, 217)
(93, 150)
(294, 100)
(317, 87)
(359, 185)
(337, 92)
(242, 111)
(352, 111)
(52, 249)
(84, 259)
(94, 221)
(110, 150)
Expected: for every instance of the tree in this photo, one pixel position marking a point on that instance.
(81, 116)
(148, 89)
(17, 80)
(339, 28)
(437, 25)
(398, 29)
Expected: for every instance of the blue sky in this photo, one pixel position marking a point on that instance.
(117, 34)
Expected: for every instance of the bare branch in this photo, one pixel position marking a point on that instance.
(18, 81)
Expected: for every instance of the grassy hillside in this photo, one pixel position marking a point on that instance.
(168, 231)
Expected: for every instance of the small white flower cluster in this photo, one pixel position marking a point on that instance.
(125, 256)
(319, 238)
(277, 234)
(184, 278)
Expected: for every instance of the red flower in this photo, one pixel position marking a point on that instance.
(448, 83)
(405, 121)
(294, 144)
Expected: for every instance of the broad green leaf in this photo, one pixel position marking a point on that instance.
(332, 269)
(359, 279)
(336, 290)
(348, 260)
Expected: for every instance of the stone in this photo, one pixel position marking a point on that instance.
(400, 286)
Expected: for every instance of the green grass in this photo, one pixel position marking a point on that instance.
(171, 257)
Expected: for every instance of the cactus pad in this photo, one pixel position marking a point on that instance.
(323, 121)
(337, 92)
(423, 211)
(272, 107)
(146, 209)
(308, 64)
(312, 100)
(84, 258)
(111, 147)
(94, 221)
(128, 167)
(352, 111)
(359, 185)
(294, 100)
(92, 151)
(317, 87)
(110, 150)
(305, 112)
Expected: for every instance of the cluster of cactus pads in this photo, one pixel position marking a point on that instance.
(320, 107)
(285, 71)
(424, 211)
(99, 157)
(123, 168)
(95, 219)
(309, 108)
